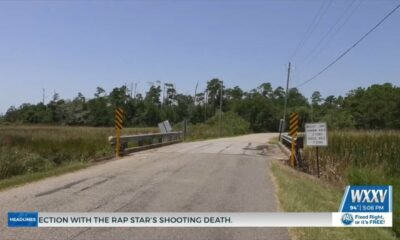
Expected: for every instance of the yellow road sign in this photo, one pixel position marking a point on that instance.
(293, 124)
(293, 127)
(119, 117)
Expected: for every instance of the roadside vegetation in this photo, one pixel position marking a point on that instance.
(360, 157)
(25, 150)
(299, 192)
(351, 155)
(35, 176)
(232, 125)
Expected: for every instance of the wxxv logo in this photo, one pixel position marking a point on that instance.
(368, 196)
(367, 199)
(366, 206)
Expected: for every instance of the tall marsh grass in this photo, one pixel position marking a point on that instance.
(28, 149)
(362, 158)
(377, 150)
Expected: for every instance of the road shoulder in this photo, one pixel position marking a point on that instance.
(299, 192)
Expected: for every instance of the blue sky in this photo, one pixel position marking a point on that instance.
(75, 46)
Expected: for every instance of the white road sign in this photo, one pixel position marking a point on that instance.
(165, 127)
(316, 134)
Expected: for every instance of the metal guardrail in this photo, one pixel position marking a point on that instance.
(287, 141)
(147, 141)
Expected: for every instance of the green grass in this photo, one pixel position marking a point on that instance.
(299, 192)
(361, 158)
(376, 176)
(25, 150)
(358, 149)
(31, 177)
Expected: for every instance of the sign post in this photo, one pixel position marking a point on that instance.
(118, 126)
(280, 128)
(316, 135)
(316, 150)
(293, 127)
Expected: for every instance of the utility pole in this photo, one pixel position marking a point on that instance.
(163, 95)
(43, 94)
(195, 93)
(205, 100)
(131, 89)
(220, 108)
(286, 99)
(134, 94)
(312, 112)
(193, 107)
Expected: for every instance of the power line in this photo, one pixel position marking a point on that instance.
(320, 44)
(310, 29)
(350, 48)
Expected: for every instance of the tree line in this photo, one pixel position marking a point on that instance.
(374, 107)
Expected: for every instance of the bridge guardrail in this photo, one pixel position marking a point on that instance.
(286, 140)
(147, 141)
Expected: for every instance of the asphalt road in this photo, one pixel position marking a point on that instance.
(227, 175)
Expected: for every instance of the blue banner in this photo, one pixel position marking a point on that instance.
(373, 198)
(22, 219)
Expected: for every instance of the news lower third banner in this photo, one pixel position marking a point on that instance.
(362, 206)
